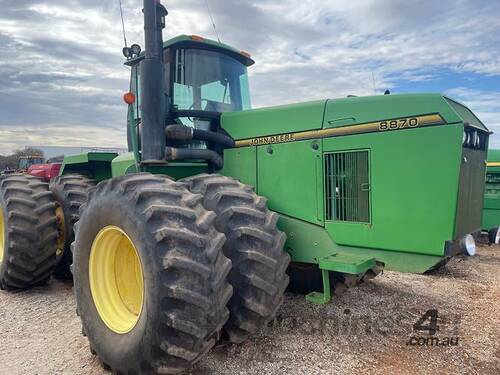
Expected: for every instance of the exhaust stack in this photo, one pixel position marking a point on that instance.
(153, 98)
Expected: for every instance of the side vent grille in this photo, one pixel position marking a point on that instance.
(492, 184)
(347, 186)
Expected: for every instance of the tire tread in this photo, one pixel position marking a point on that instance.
(29, 256)
(71, 192)
(255, 247)
(184, 242)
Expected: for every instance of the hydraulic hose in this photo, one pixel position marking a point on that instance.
(185, 133)
(209, 156)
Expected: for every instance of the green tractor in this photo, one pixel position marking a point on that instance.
(491, 211)
(187, 237)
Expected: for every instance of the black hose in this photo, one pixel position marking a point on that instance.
(208, 136)
(204, 115)
(178, 132)
(195, 154)
(185, 133)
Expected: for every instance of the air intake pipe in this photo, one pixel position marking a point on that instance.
(153, 98)
(185, 133)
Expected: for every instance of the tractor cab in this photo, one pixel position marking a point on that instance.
(200, 75)
(27, 161)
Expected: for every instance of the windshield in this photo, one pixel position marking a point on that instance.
(209, 81)
(23, 163)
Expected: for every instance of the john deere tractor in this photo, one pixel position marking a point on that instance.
(187, 238)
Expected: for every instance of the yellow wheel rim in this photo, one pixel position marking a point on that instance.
(61, 230)
(2, 234)
(116, 281)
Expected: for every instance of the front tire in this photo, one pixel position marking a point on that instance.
(166, 320)
(28, 232)
(254, 245)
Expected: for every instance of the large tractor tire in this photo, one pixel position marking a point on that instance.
(28, 232)
(255, 247)
(150, 276)
(70, 192)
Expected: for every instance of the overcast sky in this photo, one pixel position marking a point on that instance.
(62, 78)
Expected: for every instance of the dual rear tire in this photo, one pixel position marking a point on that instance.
(70, 192)
(163, 269)
(36, 227)
(28, 232)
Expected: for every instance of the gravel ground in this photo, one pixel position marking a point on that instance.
(364, 331)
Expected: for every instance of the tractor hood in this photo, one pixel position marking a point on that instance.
(346, 113)
(274, 120)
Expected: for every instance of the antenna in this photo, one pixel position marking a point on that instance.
(212, 19)
(123, 23)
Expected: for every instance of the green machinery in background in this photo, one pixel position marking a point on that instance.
(187, 237)
(491, 211)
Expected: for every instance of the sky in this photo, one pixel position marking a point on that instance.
(62, 76)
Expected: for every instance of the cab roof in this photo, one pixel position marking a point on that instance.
(195, 41)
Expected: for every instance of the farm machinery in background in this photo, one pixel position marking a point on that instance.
(27, 161)
(491, 211)
(187, 237)
(24, 163)
(36, 165)
(46, 170)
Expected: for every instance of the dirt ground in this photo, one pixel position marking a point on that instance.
(367, 330)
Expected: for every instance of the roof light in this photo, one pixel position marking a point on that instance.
(197, 38)
(136, 49)
(129, 98)
(127, 52)
(246, 54)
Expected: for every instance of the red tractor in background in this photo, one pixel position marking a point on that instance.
(26, 161)
(36, 165)
(46, 171)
